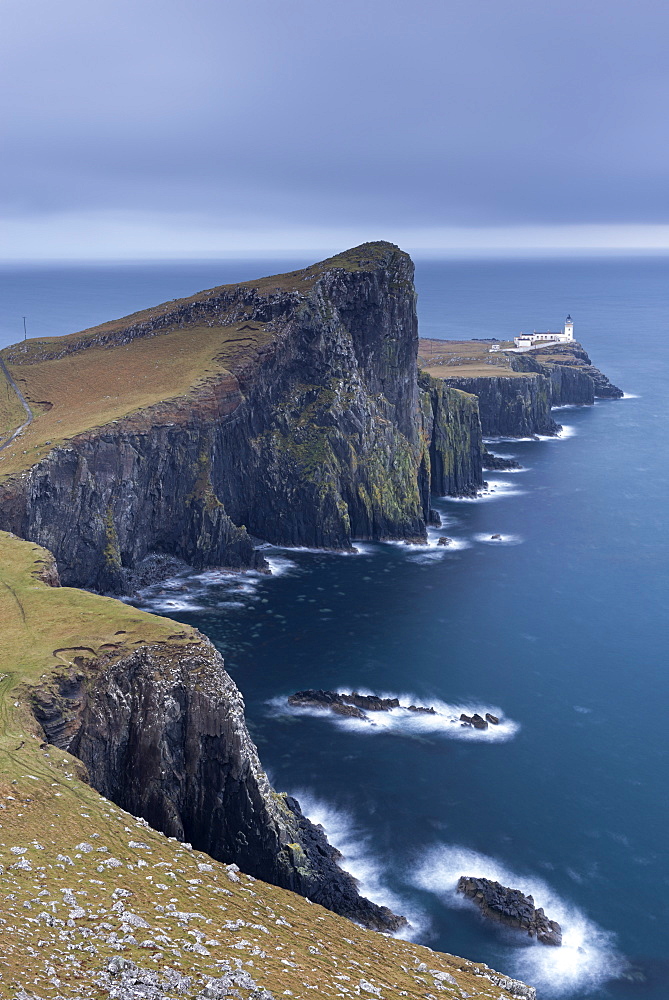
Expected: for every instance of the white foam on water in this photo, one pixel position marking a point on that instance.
(566, 431)
(360, 859)
(487, 539)
(588, 956)
(279, 565)
(495, 440)
(431, 549)
(495, 489)
(444, 722)
(358, 549)
(630, 395)
(171, 604)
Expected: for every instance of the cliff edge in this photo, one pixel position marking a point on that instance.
(286, 409)
(107, 712)
(516, 391)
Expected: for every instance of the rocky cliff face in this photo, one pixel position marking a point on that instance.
(511, 406)
(321, 436)
(518, 406)
(452, 431)
(162, 734)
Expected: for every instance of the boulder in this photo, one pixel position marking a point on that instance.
(510, 907)
(492, 719)
(444, 540)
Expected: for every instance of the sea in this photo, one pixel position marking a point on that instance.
(559, 627)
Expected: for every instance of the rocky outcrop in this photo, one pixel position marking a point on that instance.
(320, 436)
(162, 734)
(511, 405)
(452, 432)
(575, 378)
(353, 705)
(519, 405)
(497, 463)
(510, 907)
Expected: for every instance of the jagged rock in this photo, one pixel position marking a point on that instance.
(497, 463)
(510, 907)
(492, 719)
(495, 538)
(478, 722)
(444, 540)
(354, 704)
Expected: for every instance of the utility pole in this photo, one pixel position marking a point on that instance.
(25, 332)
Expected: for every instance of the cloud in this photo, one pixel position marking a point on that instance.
(254, 116)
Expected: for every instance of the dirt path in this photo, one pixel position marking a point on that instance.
(23, 402)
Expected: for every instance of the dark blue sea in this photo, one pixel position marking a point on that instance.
(560, 628)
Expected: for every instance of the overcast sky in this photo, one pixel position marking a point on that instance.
(165, 127)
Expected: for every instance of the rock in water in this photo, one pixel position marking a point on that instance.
(492, 719)
(510, 907)
(351, 704)
(444, 540)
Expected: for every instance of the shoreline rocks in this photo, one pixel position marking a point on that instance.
(510, 907)
(353, 705)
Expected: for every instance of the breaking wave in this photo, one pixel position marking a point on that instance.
(495, 489)
(190, 592)
(360, 858)
(445, 721)
(588, 956)
(497, 538)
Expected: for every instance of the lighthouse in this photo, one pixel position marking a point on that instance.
(569, 328)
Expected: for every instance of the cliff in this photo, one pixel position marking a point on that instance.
(516, 392)
(162, 733)
(286, 409)
(98, 903)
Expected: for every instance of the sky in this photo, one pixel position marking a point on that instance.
(160, 128)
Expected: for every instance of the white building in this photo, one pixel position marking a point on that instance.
(527, 340)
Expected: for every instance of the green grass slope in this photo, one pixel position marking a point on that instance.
(93, 903)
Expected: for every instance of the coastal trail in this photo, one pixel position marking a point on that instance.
(24, 404)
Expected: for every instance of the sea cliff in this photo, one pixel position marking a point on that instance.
(96, 902)
(516, 391)
(304, 425)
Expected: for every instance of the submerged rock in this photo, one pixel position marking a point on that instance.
(510, 907)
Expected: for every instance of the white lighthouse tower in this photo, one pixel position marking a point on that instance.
(569, 328)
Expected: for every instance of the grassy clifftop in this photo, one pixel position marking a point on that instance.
(466, 358)
(86, 389)
(93, 900)
(161, 355)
